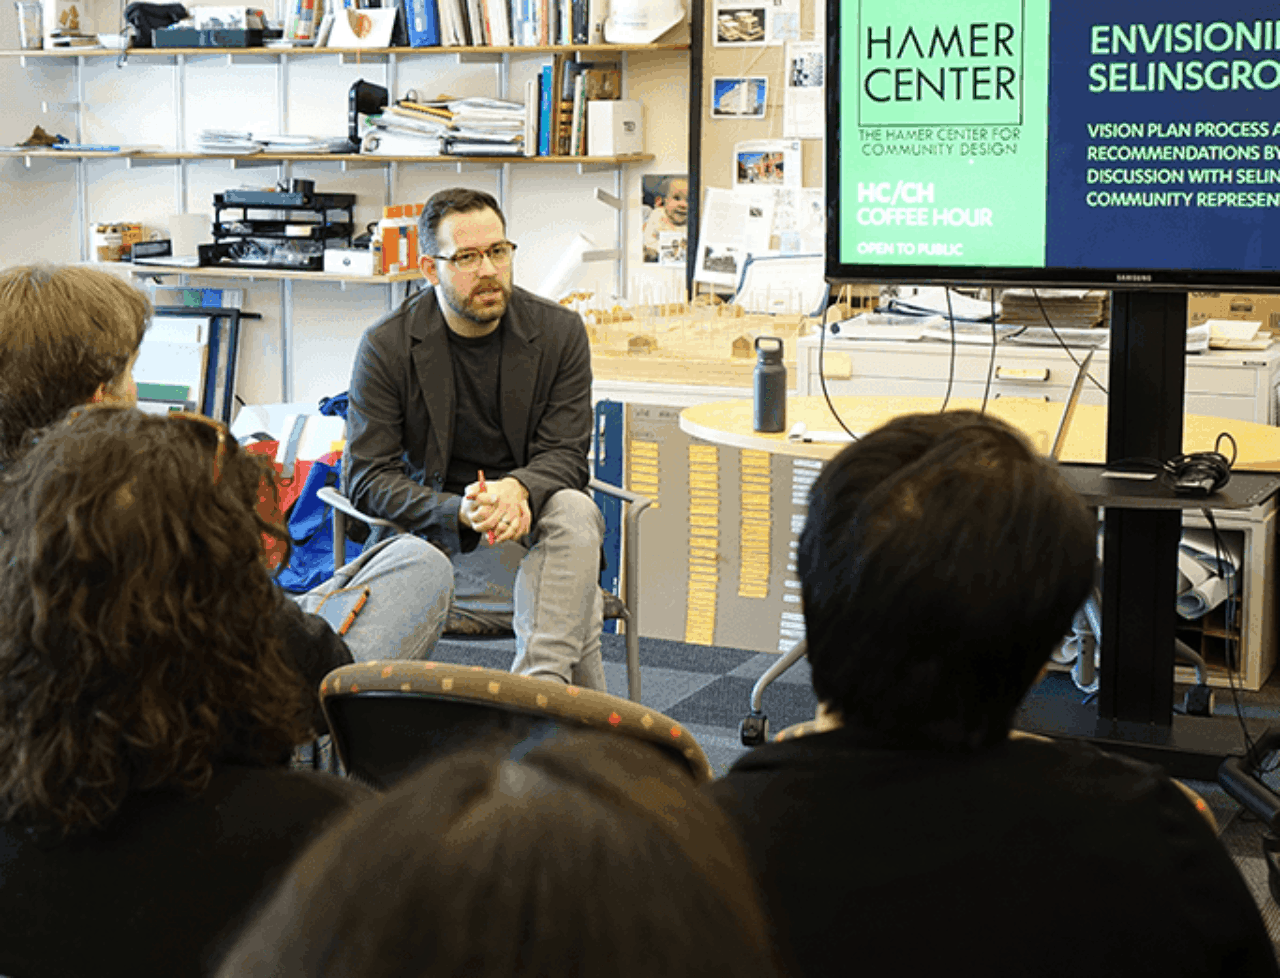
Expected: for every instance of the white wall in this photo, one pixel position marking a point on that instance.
(546, 204)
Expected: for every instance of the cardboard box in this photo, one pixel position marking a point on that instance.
(1258, 308)
(615, 127)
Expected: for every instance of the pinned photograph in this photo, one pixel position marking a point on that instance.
(741, 27)
(664, 203)
(739, 98)
(761, 168)
(721, 261)
(807, 69)
(673, 248)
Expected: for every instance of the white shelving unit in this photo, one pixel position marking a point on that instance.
(386, 64)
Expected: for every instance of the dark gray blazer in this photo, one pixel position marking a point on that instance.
(401, 419)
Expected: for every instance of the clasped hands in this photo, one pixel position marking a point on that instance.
(503, 507)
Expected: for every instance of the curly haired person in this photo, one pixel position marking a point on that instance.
(70, 335)
(147, 712)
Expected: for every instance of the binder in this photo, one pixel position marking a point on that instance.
(597, 13)
(532, 111)
(580, 11)
(546, 99)
(476, 36)
(500, 21)
(424, 23)
(577, 132)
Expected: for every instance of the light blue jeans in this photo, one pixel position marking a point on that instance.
(410, 586)
(548, 587)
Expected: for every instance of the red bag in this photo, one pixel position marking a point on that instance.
(291, 475)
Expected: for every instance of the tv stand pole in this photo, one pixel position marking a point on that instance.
(1134, 713)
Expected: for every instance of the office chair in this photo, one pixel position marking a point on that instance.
(627, 607)
(754, 728)
(388, 718)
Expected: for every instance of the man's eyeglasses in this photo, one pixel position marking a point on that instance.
(469, 259)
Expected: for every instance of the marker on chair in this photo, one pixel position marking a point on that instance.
(489, 533)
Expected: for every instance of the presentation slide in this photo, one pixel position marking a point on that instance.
(1073, 134)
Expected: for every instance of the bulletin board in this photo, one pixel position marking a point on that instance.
(762, 78)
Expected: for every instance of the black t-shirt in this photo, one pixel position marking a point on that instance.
(478, 441)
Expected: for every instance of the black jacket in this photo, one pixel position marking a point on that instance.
(164, 887)
(1045, 858)
(400, 421)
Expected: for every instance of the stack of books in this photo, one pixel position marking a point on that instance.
(563, 91)
(503, 23)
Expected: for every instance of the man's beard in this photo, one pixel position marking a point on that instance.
(473, 306)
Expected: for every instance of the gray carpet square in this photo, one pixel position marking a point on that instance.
(660, 689)
(667, 654)
(726, 701)
(755, 667)
(492, 653)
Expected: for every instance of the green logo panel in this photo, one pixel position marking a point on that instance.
(944, 114)
(934, 63)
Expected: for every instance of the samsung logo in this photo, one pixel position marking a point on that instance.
(1133, 278)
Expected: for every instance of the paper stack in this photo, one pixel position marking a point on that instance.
(486, 127)
(1066, 308)
(228, 143)
(304, 144)
(1236, 334)
(449, 126)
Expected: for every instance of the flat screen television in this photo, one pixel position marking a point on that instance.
(1098, 143)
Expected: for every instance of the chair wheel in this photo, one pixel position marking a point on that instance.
(753, 729)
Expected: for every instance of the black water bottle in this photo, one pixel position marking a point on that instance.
(771, 385)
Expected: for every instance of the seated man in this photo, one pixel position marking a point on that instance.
(470, 419)
(70, 336)
(941, 561)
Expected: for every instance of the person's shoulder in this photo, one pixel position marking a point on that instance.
(289, 794)
(1073, 773)
(397, 324)
(542, 312)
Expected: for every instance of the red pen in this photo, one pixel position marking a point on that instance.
(489, 534)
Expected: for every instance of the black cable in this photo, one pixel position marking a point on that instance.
(1235, 450)
(951, 371)
(991, 364)
(1061, 342)
(1230, 612)
(822, 374)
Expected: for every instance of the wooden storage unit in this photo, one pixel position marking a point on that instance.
(1246, 639)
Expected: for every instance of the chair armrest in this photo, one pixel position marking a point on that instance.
(636, 506)
(331, 497)
(619, 493)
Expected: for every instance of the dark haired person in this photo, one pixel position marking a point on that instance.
(941, 561)
(146, 713)
(573, 854)
(69, 335)
(477, 376)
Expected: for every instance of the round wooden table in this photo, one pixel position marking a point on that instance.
(730, 423)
